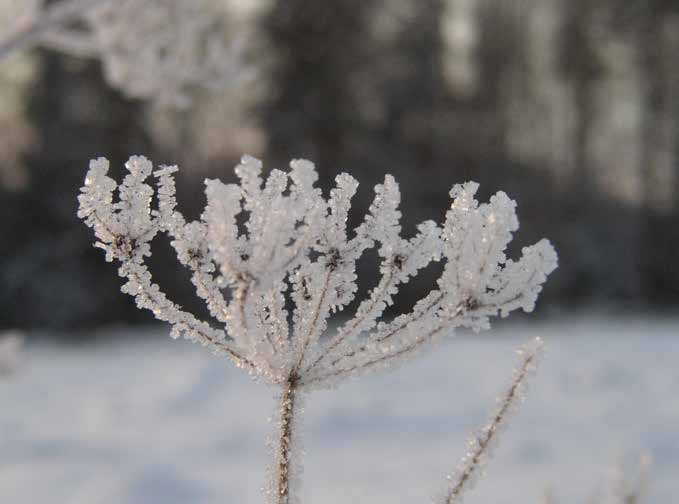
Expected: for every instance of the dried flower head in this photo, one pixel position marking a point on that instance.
(295, 248)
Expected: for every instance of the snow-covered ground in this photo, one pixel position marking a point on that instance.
(143, 419)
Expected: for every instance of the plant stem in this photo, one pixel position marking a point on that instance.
(285, 440)
(481, 444)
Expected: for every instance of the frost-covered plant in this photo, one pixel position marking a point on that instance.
(150, 49)
(293, 263)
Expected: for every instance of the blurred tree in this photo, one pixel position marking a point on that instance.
(653, 26)
(658, 120)
(51, 276)
(317, 54)
(501, 58)
(582, 66)
(412, 134)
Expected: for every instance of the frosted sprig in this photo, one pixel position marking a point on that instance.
(160, 49)
(295, 252)
(481, 445)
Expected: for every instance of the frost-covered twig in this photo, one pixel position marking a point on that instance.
(150, 49)
(295, 249)
(480, 445)
(42, 20)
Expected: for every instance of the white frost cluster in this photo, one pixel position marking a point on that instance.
(150, 49)
(295, 251)
(162, 49)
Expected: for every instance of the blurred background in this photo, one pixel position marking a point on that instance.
(570, 106)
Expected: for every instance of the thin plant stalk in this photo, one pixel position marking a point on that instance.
(287, 419)
(480, 446)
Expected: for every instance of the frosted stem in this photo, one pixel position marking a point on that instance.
(481, 445)
(286, 441)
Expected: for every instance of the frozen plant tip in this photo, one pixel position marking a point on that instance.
(295, 250)
(481, 445)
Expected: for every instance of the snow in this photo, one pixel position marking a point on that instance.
(139, 418)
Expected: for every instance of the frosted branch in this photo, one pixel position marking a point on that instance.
(480, 446)
(151, 49)
(43, 20)
(125, 229)
(190, 243)
(401, 261)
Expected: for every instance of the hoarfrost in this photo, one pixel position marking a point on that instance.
(295, 236)
(295, 246)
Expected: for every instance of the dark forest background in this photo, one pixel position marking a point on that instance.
(571, 107)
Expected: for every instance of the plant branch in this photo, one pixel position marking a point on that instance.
(58, 14)
(480, 445)
(152, 299)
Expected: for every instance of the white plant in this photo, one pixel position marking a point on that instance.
(295, 251)
(150, 49)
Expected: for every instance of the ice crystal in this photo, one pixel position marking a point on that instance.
(295, 250)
